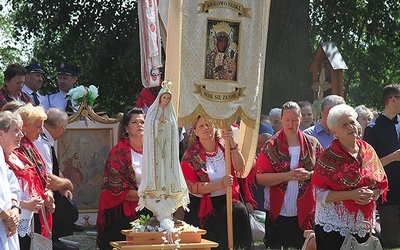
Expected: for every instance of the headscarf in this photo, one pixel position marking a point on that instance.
(275, 158)
(336, 169)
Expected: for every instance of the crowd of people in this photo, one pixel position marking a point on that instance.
(314, 175)
(35, 196)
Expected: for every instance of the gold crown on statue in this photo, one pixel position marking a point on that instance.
(222, 27)
(166, 85)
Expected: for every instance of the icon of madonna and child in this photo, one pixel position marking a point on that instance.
(222, 50)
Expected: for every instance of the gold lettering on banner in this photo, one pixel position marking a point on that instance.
(212, 4)
(219, 97)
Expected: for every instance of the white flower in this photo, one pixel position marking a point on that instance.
(93, 91)
(170, 233)
(81, 93)
(78, 92)
(168, 225)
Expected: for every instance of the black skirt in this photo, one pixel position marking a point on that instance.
(216, 224)
(115, 221)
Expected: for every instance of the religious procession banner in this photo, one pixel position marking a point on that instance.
(222, 64)
(150, 44)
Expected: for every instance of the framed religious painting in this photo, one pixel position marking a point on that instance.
(82, 152)
(222, 50)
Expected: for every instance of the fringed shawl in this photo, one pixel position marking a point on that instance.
(194, 169)
(5, 96)
(119, 178)
(336, 169)
(34, 174)
(246, 186)
(275, 158)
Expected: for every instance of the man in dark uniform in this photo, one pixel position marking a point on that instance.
(14, 78)
(66, 79)
(33, 83)
(384, 136)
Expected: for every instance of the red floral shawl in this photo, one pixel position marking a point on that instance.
(34, 174)
(194, 169)
(336, 169)
(274, 158)
(119, 178)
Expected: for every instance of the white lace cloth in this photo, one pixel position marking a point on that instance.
(327, 217)
(24, 227)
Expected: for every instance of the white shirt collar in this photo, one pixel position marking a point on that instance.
(48, 136)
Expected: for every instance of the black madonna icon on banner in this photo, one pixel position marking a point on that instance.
(222, 50)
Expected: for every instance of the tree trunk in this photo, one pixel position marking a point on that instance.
(288, 54)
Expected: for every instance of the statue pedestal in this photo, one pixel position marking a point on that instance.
(145, 238)
(202, 245)
(152, 240)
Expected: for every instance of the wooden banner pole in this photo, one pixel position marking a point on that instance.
(229, 195)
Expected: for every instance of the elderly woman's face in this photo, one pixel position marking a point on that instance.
(290, 121)
(11, 139)
(364, 120)
(204, 130)
(346, 129)
(276, 122)
(33, 130)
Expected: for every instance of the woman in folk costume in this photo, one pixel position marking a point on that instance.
(204, 167)
(10, 192)
(349, 178)
(163, 188)
(122, 175)
(285, 166)
(30, 170)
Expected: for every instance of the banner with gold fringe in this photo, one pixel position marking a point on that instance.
(222, 57)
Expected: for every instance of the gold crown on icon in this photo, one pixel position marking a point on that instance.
(222, 27)
(166, 85)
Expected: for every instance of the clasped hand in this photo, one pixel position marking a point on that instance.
(12, 222)
(300, 174)
(363, 195)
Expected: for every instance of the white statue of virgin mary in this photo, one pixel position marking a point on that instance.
(163, 187)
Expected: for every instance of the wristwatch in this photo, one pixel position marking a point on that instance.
(17, 207)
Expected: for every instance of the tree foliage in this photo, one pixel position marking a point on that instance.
(9, 51)
(367, 33)
(101, 37)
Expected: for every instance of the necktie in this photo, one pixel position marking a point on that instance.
(56, 170)
(35, 98)
(68, 108)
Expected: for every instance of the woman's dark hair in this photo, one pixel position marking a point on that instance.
(129, 111)
(14, 70)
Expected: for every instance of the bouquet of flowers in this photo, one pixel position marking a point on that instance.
(80, 93)
(166, 226)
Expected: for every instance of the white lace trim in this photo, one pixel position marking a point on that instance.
(24, 227)
(326, 217)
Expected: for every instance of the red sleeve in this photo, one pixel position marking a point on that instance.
(188, 172)
(263, 163)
